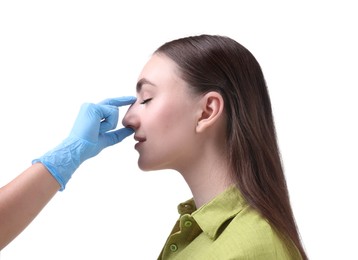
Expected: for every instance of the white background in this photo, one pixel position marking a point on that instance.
(55, 55)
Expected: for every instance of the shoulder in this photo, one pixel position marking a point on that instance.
(249, 236)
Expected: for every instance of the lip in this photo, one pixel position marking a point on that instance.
(139, 140)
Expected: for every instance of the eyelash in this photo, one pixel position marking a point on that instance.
(145, 101)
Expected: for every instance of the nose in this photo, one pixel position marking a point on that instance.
(131, 118)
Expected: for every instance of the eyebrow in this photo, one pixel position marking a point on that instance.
(141, 82)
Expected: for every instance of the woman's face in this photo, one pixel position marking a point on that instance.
(164, 117)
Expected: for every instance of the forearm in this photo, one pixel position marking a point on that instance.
(22, 199)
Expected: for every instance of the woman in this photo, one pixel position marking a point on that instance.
(203, 109)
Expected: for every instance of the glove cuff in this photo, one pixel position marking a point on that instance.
(53, 172)
(61, 161)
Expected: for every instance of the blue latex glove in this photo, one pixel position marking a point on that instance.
(90, 134)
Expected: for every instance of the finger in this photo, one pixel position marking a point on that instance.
(119, 101)
(114, 137)
(87, 122)
(109, 118)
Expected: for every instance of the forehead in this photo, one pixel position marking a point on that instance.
(159, 70)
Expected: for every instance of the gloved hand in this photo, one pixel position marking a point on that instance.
(90, 134)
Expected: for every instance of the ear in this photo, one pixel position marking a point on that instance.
(211, 109)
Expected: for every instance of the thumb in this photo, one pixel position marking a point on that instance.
(114, 137)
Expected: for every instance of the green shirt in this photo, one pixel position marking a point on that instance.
(225, 228)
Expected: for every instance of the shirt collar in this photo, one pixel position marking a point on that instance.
(212, 215)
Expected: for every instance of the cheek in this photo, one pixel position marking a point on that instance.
(173, 118)
(160, 126)
(175, 131)
(169, 131)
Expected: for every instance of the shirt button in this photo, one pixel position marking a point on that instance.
(173, 247)
(188, 223)
(187, 206)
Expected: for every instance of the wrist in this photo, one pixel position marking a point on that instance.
(48, 178)
(61, 161)
(53, 171)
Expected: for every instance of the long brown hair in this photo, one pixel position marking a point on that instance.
(219, 63)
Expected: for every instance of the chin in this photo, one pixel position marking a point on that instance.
(144, 169)
(144, 166)
(147, 166)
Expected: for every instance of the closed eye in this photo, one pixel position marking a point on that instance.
(145, 101)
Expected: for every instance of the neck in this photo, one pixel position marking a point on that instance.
(208, 178)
